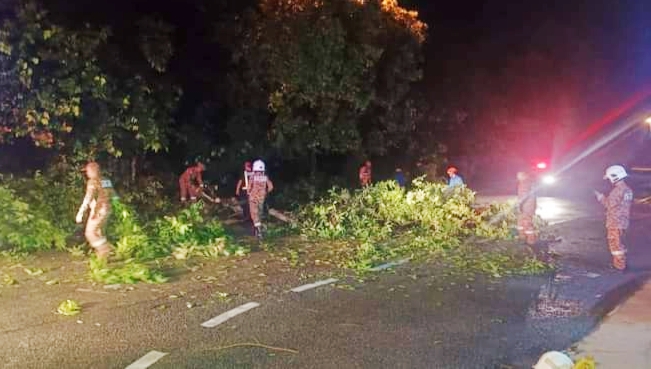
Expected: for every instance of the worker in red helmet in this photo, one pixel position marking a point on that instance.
(527, 204)
(242, 188)
(365, 174)
(98, 200)
(455, 180)
(191, 182)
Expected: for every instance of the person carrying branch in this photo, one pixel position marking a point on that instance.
(191, 182)
(98, 199)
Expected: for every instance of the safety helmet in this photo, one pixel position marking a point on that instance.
(258, 166)
(554, 360)
(615, 173)
(452, 170)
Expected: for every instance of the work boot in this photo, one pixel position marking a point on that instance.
(259, 232)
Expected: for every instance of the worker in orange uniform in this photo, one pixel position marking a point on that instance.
(98, 199)
(618, 209)
(242, 188)
(365, 174)
(259, 187)
(526, 208)
(191, 182)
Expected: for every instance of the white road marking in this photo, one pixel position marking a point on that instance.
(567, 220)
(306, 287)
(147, 360)
(219, 319)
(389, 265)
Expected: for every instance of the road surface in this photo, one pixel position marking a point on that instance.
(415, 317)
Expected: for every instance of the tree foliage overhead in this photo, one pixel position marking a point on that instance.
(335, 75)
(58, 81)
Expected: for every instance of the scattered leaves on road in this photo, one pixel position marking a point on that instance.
(69, 308)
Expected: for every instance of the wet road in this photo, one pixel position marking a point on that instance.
(555, 210)
(413, 318)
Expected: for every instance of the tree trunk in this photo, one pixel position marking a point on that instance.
(134, 167)
(313, 181)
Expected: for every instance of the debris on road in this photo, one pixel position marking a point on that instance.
(69, 308)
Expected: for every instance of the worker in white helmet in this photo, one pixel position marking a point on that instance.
(554, 360)
(259, 187)
(618, 208)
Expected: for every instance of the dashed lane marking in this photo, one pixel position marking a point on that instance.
(306, 287)
(147, 360)
(389, 265)
(219, 319)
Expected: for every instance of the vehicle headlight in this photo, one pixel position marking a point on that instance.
(549, 179)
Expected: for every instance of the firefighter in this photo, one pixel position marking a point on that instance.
(526, 208)
(191, 182)
(455, 179)
(618, 208)
(259, 187)
(365, 174)
(98, 199)
(241, 189)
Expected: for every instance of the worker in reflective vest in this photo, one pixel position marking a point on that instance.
(98, 199)
(618, 209)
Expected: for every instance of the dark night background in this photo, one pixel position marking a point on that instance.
(558, 66)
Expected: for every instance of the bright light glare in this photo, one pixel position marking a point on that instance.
(542, 165)
(548, 180)
(648, 120)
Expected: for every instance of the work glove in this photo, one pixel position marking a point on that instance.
(80, 217)
(600, 196)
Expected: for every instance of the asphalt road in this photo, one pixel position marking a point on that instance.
(411, 318)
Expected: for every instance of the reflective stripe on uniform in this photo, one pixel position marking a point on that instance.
(529, 232)
(98, 243)
(618, 253)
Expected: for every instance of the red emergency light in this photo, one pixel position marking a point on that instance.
(541, 165)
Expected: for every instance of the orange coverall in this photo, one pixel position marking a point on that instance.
(527, 210)
(190, 183)
(618, 208)
(365, 176)
(98, 198)
(259, 187)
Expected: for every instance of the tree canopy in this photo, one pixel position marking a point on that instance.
(65, 88)
(335, 75)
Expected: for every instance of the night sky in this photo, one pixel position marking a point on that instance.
(462, 35)
(605, 44)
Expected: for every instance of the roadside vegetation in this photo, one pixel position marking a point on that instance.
(43, 222)
(354, 230)
(385, 222)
